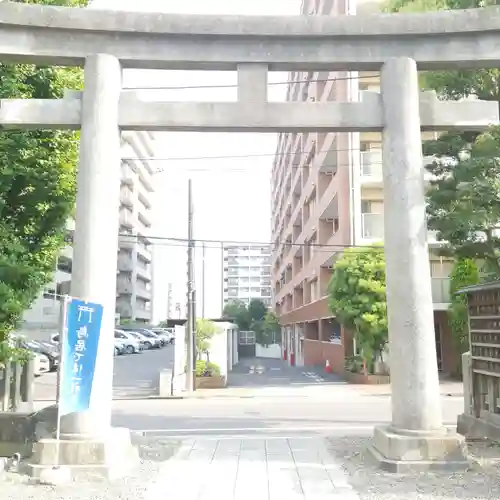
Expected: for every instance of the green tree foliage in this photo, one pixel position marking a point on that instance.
(357, 297)
(255, 317)
(464, 199)
(257, 309)
(237, 312)
(267, 330)
(463, 202)
(37, 187)
(465, 273)
(205, 330)
(483, 83)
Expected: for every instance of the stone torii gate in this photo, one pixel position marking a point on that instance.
(106, 42)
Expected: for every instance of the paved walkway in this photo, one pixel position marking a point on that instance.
(244, 469)
(264, 372)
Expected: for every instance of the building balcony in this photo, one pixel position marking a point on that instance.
(126, 198)
(143, 292)
(142, 313)
(125, 264)
(124, 287)
(372, 227)
(371, 169)
(440, 292)
(127, 219)
(143, 272)
(144, 252)
(372, 230)
(144, 218)
(145, 199)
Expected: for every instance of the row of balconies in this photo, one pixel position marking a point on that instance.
(440, 288)
(129, 220)
(126, 265)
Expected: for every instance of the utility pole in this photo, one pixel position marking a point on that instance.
(190, 330)
(203, 281)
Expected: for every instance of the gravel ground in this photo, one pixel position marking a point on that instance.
(153, 453)
(481, 482)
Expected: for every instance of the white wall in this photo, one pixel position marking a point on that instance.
(271, 351)
(218, 351)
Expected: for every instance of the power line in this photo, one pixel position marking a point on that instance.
(218, 244)
(229, 157)
(235, 85)
(249, 168)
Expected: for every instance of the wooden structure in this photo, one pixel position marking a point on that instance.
(484, 337)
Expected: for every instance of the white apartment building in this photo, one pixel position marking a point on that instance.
(247, 273)
(134, 280)
(134, 260)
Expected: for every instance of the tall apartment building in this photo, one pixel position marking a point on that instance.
(327, 194)
(134, 280)
(134, 259)
(247, 273)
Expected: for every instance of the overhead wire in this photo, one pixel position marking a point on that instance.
(235, 157)
(220, 243)
(235, 85)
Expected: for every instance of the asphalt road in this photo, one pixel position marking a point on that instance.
(287, 415)
(135, 375)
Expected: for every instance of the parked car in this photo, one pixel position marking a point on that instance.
(50, 351)
(155, 339)
(150, 337)
(131, 343)
(42, 364)
(145, 342)
(120, 347)
(166, 334)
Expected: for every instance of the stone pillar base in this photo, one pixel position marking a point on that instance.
(417, 453)
(112, 457)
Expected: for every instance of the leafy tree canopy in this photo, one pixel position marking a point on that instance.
(463, 201)
(269, 330)
(205, 330)
(37, 187)
(357, 297)
(237, 311)
(483, 83)
(257, 309)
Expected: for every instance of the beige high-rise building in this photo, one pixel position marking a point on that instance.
(327, 195)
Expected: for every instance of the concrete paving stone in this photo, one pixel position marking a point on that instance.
(247, 469)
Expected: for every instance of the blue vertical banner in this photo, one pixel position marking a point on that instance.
(80, 343)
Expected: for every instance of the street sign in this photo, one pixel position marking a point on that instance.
(80, 341)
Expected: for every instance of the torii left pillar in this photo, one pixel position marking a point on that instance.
(88, 442)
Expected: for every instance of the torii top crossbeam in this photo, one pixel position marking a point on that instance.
(65, 36)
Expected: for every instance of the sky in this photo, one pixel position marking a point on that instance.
(231, 195)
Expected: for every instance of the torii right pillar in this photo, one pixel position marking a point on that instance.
(416, 438)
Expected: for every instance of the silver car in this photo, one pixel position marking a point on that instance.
(132, 345)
